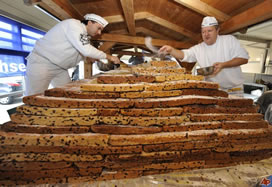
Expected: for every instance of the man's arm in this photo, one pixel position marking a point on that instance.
(166, 49)
(228, 64)
(113, 59)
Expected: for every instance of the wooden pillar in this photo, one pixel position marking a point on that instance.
(88, 68)
(88, 63)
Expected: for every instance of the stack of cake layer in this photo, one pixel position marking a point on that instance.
(148, 119)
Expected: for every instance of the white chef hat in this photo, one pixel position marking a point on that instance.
(96, 18)
(209, 21)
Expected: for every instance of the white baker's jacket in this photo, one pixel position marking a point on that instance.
(66, 44)
(224, 49)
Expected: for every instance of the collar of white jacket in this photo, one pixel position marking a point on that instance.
(96, 18)
(209, 21)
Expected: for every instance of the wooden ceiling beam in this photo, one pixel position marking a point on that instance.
(106, 46)
(174, 27)
(149, 32)
(204, 9)
(114, 19)
(144, 30)
(128, 10)
(245, 7)
(54, 9)
(120, 18)
(133, 40)
(63, 7)
(69, 8)
(159, 21)
(119, 31)
(257, 14)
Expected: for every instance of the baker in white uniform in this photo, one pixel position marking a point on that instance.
(224, 52)
(63, 47)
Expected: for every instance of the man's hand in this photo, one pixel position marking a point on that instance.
(165, 50)
(217, 67)
(113, 59)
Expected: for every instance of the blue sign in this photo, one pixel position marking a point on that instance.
(11, 66)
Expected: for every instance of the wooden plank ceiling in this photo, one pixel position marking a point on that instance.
(173, 22)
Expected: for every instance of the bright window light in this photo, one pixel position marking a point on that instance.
(5, 44)
(5, 35)
(28, 40)
(32, 34)
(6, 26)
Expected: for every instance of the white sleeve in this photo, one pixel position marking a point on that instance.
(74, 34)
(237, 51)
(189, 55)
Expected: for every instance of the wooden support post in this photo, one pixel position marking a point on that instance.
(88, 68)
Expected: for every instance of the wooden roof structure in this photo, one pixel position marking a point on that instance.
(173, 22)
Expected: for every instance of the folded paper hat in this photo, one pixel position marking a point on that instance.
(96, 18)
(209, 21)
